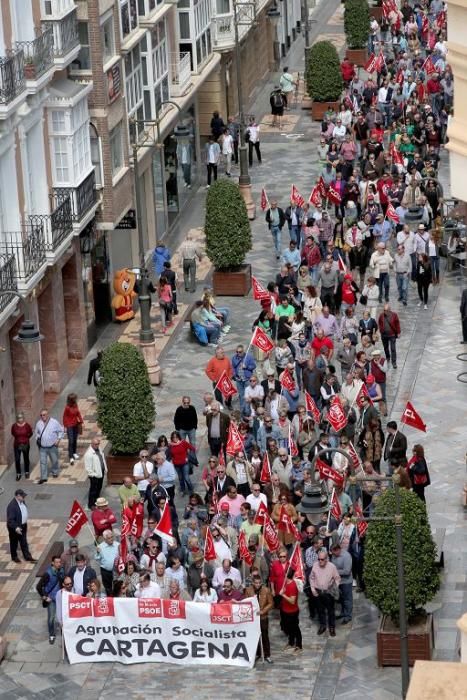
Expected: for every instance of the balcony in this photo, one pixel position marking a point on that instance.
(28, 249)
(180, 73)
(12, 81)
(7, 279)
(57, 226)
(65, 38)
(83, 198)
(224, 26)
(38, 55)
(223, 32)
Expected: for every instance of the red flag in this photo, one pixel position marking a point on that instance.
(265, 476)
(315, 196)
(392, 214)
(209, 549)
(322, 187)
(341, 264)
(126, 524)
(429, 66)
(397, 156)
(362, 526)
(355, 460)
(296, 197)
(293, 449)
(259, 292)
(441, 19)
(286, 524)
(123, 553)
(336, 415)
(412, 418)
(264, 200)
(334, 196)
(379, 62)
(361, 395)
(327, 472)
(138, 520)
(270, 533)
(287, 381)
(312, 408)
(221, 457)
(399, 80)
(388, 6)
(370, 65)
(336, 510)
(164, 526)
(243, 551)
(234, 441)
(425, 24)
(261, 514)
(261, 340)
(77, 519)
(296, 563)
(225, 386)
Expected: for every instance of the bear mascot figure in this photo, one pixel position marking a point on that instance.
(122, 302)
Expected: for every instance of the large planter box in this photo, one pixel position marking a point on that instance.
(319, 109)
(420, 636)
(232, 284)
(377, 13)
(119, 466)
(358, 56)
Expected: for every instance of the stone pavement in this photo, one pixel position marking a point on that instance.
(346, 666)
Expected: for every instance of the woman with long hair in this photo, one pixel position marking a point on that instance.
(165, 303)
(205, 594)
(418, 472)
(423, 277)
(73, 424)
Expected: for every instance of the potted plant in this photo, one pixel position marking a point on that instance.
(29, 68)
(421, 576)
(376, 9)
(357, 28)
(323, 78)
(228, 239)
(125, 409)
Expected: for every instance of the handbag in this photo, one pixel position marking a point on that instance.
(420, 479)
(38, 440)
(80, 428)
(363, 299)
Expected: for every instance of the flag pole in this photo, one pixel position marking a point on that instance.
(330, 507)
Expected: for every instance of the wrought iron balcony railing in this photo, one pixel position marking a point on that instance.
(65, 34)
(82, 197)
(12, 80)
(38, 54)
(55, 226)
(7, 278)
(28, 249)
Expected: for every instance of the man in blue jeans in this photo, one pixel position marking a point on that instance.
(48, 433)
(48, 587)
(275, 219)
(342, 560)
(403, 268)
(243, 366)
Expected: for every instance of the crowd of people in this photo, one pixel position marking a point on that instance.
(333, 331)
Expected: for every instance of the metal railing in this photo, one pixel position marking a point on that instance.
(55, 226)
(38, 54)
(180, 72)
(28, 248)
(65, 34)
(7, 278)
(12, 80)
(82, 198)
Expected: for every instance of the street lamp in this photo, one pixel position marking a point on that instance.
(273, 14)
(244, 181)
(28, 332)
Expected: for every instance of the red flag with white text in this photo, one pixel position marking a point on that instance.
(264, 200)
(77, 519)
(327, 472)
(296, 197)
(392, 214)
(243, 551)
(259, 292)
(265, 476)
(370, 65)
(234, 441)
(312, 408)
(137, 523)
(293, 449)
(362, 526)
(355, 460)
(336, 414)
(164, 526)
(270, 534)
(379, 62)
(334, 196)
(226, 386)
(286, 524)
(341, 264)
(336, 510)
(429, 66)
(287, 381)
(261, 514)
(296, 562)
(322, 187)
(412, 418)
(209, 549)
(315, 196)
(361, 395)
(261, 340)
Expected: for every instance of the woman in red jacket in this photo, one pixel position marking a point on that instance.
(73, 424)
(179, 450)
(277, 577)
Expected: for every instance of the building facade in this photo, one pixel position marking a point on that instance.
(457, 131)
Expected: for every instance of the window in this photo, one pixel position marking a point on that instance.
(129, 16)
(133, 79)
(83, 60)
(96, 154)
(60, 156)
(58, 121)
(70, 144)
(223, 7)
(194, 28)
(116, 149)
(107, 38)
(47, 7)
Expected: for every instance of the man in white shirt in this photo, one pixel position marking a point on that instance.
(147, 588)
(406, 237)
(339, 131)
(226, 571)
(254, 390)
(227, 151)
(141, 472)
(212, 154)
(256, 497)
(81, 575)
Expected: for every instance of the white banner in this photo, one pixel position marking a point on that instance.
(138, 630)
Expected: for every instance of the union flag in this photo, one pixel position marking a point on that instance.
(261, 340)
(264, 200)
(259, 292)
(225, 386)
(296, 197)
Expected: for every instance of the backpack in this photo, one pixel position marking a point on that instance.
(278, 100)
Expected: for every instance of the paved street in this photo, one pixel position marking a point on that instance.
(344, 667)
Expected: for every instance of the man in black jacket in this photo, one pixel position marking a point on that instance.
(17, 525)
(81, 575)
(270, 383)
(186, 420)
(395, 448)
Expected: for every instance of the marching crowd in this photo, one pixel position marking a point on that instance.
(313, 379)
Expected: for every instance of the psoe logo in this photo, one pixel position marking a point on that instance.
(174, 609)
(79, 606)
(242, 612)
(103, 607)
(149, 607)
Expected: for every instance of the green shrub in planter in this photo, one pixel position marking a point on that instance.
(227, 228)
(421, 575)
(323, 73)
(125, 408)
(356, 23)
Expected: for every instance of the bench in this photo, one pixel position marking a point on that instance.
(438, 538)
(56, 549)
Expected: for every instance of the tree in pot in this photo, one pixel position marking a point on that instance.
(323, 78)
(125, 410)
(228, 238)
(421, 575)
(357, 28)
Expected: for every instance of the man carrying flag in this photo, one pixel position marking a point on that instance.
(264, 200)
(296, 197)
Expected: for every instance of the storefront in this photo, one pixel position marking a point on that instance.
(95, 279)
